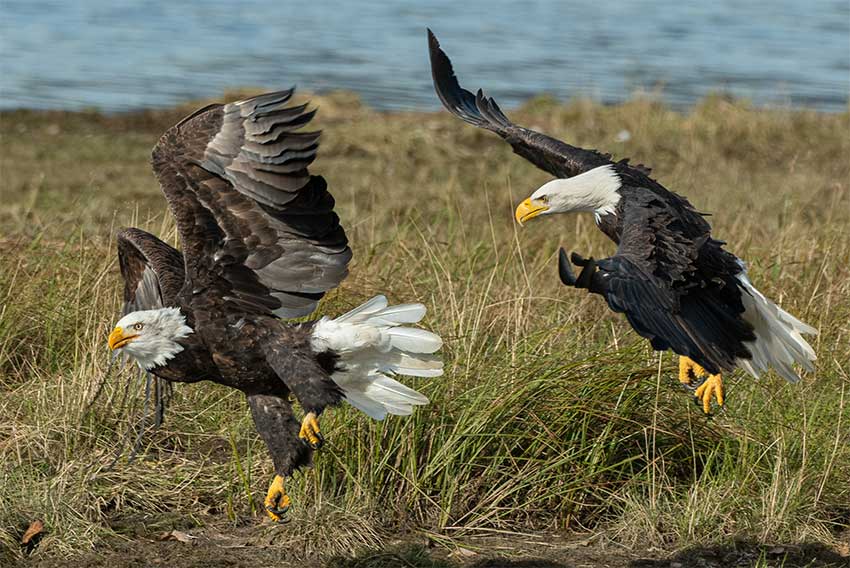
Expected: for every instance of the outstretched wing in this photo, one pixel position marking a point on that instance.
(152, 271)
(255, 225)
(550, 155)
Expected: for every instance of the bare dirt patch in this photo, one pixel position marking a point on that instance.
(263, 544)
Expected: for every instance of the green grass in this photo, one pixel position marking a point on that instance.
(552, 414)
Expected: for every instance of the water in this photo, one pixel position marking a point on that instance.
(127, 55)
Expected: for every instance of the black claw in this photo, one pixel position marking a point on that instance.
(280, 513)
(277, 510)
(696, 382)
(317, 445)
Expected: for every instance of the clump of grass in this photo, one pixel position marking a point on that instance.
(551, 414)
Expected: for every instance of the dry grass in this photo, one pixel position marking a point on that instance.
(552, 413)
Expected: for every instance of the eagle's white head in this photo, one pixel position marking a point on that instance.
(150, 336)
(595, 191)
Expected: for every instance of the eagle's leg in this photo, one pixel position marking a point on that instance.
(713, 385)
(310, 432)
(277, 502)
(279, 429)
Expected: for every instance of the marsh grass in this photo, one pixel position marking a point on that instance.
(552, 414)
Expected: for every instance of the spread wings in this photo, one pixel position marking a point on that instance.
(152, 271)
(673, 282)
(550, 155)
(256, 228)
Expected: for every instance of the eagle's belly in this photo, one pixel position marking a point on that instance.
(248, 371)
(191, 365)
(238, 352)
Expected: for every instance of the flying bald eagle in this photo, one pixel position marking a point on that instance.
(675, 284)
(261, 242)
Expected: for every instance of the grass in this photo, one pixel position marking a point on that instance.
(552, 414)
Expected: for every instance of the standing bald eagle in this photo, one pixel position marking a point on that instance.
(673, 281)
(261, 242)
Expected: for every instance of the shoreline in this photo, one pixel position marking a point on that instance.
(352, 97)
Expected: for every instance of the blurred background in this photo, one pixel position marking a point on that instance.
(119, 56)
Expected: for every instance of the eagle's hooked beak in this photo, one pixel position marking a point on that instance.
(529, 209)
(117, 339)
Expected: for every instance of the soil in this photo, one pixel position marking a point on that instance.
(263, 545)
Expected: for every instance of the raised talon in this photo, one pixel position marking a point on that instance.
(689, 371)
(310, 431)
(712, 385)
(277, 502)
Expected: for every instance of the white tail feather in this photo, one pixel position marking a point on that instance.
(394, 315)
(371, 346)
(414, 340)
(779, 342)
(376, 304)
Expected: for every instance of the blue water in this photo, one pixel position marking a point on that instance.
(127, 55)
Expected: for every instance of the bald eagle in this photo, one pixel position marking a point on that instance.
(261, 243)
(675, 284)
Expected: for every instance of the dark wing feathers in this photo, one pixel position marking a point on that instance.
(669, 294)
(673, 282)
(697, 325)
(249, 207)
(152, 271)
(654, 233)
(547, 153)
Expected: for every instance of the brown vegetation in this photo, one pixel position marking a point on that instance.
(552, 415)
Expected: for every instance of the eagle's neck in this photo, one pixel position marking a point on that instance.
(160, 340)
(159, 352)
(595, 191)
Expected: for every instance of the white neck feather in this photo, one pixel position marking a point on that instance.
(157, 342)
(594, 191)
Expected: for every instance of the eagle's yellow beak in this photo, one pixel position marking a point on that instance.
(117, 339)
(529, 210)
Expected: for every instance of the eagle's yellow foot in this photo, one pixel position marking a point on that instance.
(310, 431)
(713, 385)
(277, 502)
(689, 371)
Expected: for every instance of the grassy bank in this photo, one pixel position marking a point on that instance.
(552, 414)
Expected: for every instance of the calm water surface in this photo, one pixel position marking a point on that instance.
(128, 55)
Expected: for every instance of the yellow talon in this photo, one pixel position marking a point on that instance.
(689, 370)
(310, 431)
(277, 502)
(712, 385)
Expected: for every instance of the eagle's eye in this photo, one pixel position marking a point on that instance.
(138, 326)
(544, 199)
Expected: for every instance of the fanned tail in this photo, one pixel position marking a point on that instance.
(779, 341)
(373, 347)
